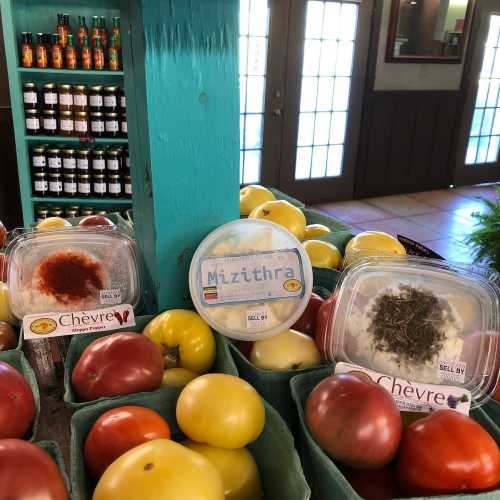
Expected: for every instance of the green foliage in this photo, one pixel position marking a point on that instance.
(486, 238)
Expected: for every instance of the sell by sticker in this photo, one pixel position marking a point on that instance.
(37, 326)
(251, 277)
(413, 396)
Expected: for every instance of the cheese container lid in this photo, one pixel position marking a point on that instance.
(71, 269)
(250, 279)
(419, 319)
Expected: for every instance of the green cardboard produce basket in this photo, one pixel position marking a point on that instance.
(340, 233)
(279, 195)
(325, 479)
(18, 361)
(53, 450)
(278, 461)
(223, 360)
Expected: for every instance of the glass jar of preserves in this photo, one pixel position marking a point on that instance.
(123, 124)
(112, 125)
(54, 159)
(87, 211)
(113, 160)
(114, 185)
(42, 213)
(69, 185)
(71, 212)
(38, 159)
(65, 97)
(99, 185)
(30, 95)
(83, 160)
(123, 99)
(55, 184)
(69, 160)
(96, 100)
(127, 186)
(40, 183)
(32, 121)
(80, 98)
(81, 123)
(50, 99)
(84, 187)
(111, 98)
(97, 123)
(66, 123)
(98, 161)
(49, 122)
(56, 211)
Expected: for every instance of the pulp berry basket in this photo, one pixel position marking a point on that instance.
(17, 360)
(223, 361)
(278, 462)
(324, 477)
(53, 450)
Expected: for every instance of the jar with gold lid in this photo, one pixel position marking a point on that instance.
(65, 95)
(80, 98)
(81, 123)
(66, 123)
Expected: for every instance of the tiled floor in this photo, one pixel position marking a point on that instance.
(441, 220)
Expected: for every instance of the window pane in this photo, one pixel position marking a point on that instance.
(314, 19)
(348, 21)
(487, 121)
(494, 32)
(253, 132)
(242, 166)
(243, 55)
(322, 128)
(341, 94)
(471, 151)
(331, 26)
(306, 129)
(308, 94)
(325, 94)
(252, 167)
(496, 66)
(496, 123)
(482, 92)
(257, 56)
(259, 13)
(319, 161)
(482, 151)
(242, 130)
(337, 130)
(303, 163)
(493, 150)
(334, 164)
(328, 58)
(493, 93)
(489, 53)
(344, 59)
(244, 9)
(477, 122)
(255, 94)
(243, 93)
(312, 52)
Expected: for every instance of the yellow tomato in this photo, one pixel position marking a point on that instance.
(177, 377)
(160, 470)
(323, 254)
(283, 213)
(315, 230)
(372, 243)
(5, 311)
(185, 339)
(220, 410)
(237, 469)
(53, 223)
(253, 196)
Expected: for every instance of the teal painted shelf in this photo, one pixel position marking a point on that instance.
(82, 201)
(61, 138)
(68, 72)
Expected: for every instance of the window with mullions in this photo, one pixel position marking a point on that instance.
(254, 32)
(484, 136)
(325, 87)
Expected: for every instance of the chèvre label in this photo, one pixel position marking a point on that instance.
(413, 396)
(251, 277)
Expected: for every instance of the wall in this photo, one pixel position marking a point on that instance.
(396, 76)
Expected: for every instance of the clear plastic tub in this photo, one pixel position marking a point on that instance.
(250, 279)
(71, 269)
(419, 319)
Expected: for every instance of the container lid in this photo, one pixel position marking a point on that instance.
(250, 279)
(422, 320)
(68, 269)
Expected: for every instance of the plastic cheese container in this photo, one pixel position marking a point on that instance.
(250, 279)
(71, 269)
(421, 320)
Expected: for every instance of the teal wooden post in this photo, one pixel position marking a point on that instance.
(186, 97)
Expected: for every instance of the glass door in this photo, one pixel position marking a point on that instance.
(479, 143)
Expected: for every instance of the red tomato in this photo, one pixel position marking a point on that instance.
(17, 405)
(373, 484)
(3, 267)
(95, 220)
(3, 234)
(325, 312)
(117, 364)
(28, 472)
(8, 338)
(119, 430)
(307, 322)
(447, 453)
(354, 420)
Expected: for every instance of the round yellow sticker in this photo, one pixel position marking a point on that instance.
(292, 285)
(43, 326)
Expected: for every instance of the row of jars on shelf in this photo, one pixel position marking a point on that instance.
(68, 184)
(101, 160)
(77, 123)
(44, 211)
